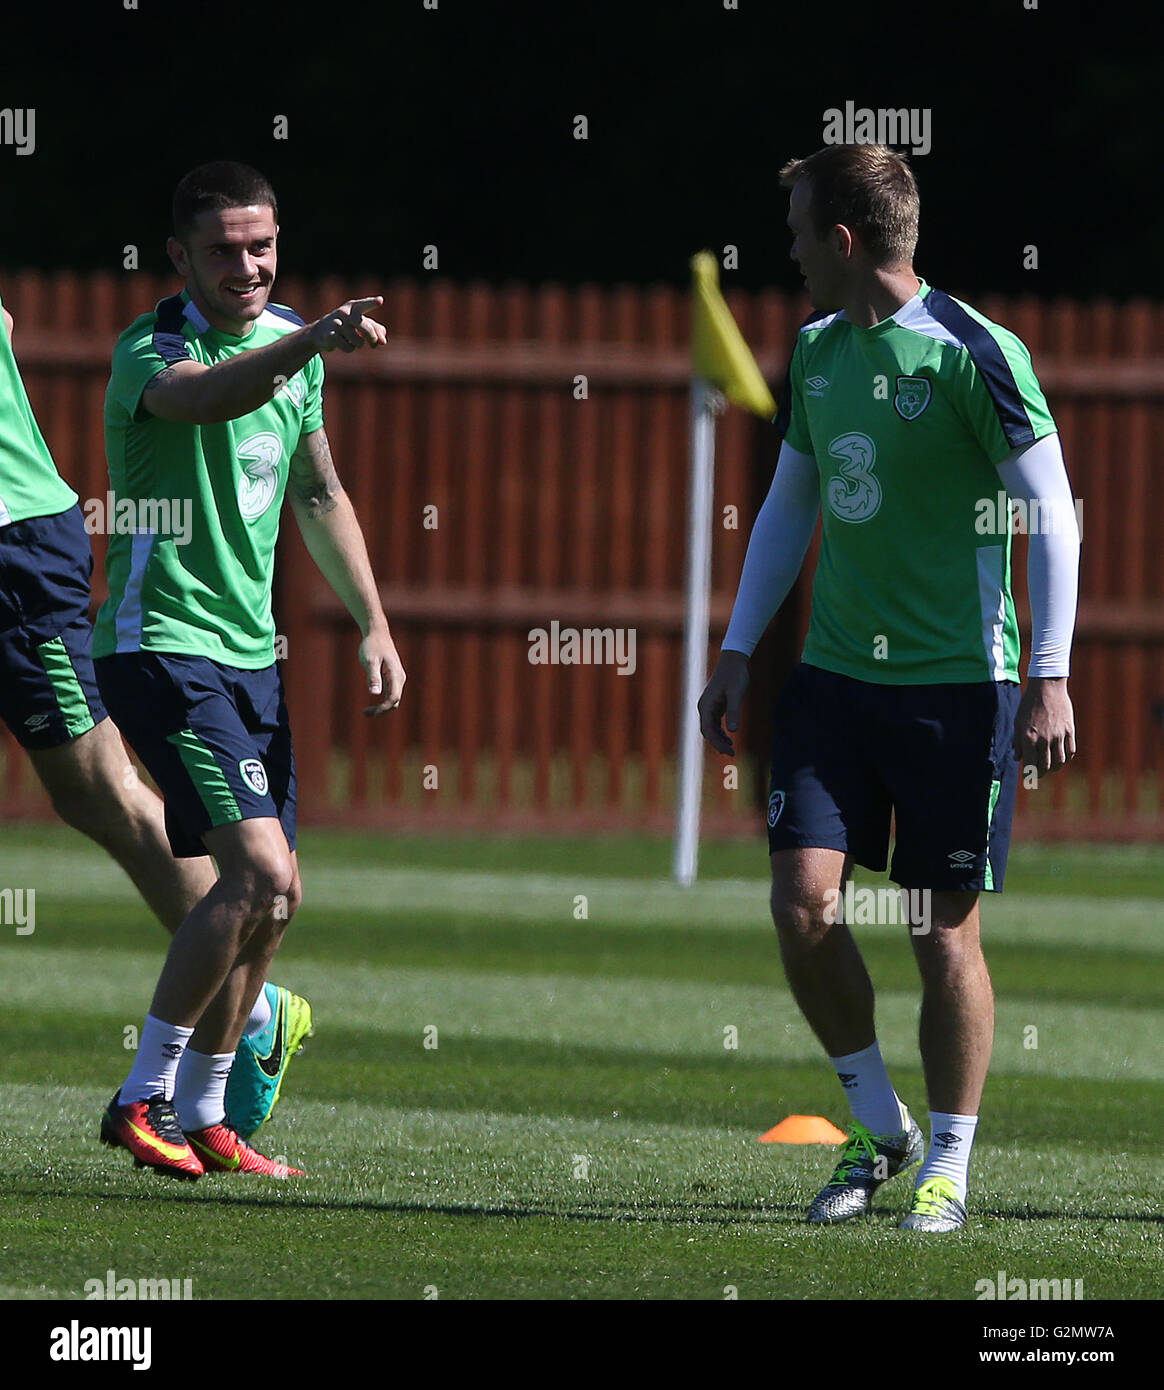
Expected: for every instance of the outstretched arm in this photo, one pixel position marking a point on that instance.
(195, 394)
(327, 522)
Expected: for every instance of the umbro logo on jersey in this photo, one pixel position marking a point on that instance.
(817, 385)
(254, 774)
(947, 1140)
(961, 857)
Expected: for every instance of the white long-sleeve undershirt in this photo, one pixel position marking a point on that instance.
(1033, 474)
(776, 548)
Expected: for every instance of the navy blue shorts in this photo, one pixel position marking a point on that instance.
(214, 738)
(847, 755)
(48, 692)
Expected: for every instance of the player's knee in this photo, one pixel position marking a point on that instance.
(798, 922)
(263, 883)
(288, 904)
(947, 953)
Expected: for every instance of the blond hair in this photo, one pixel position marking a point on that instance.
(869, 189)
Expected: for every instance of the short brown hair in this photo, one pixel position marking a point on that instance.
(868, 188)
(221, 184)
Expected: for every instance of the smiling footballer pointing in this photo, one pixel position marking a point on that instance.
(216, 396)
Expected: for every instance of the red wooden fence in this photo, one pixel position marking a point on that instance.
(548, 429)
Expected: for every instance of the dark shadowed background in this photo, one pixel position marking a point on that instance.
(453, 127)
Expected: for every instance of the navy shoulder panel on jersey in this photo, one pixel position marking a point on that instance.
(992, 366)
(169, 341)
(281, 311)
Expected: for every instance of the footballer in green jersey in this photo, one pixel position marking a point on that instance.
(29, 482)
(205, 591)
(904, 411)
(215, 404)
(48, 694)
(49, 698)
(907, 421)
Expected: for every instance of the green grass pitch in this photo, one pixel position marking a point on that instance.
(579, 1130)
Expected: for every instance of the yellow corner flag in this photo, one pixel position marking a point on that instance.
(717, 345)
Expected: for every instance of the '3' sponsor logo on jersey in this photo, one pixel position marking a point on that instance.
(260, 476)
(853, 493)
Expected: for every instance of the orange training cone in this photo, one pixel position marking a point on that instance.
(804, 1129)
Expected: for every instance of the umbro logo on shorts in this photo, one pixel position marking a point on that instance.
(37, 721)
(775, 807)
(961, 857)
(254, 774)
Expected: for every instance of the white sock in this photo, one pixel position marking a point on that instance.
(951, 1139)
(260, 1015)
(200, 1097)
(159, 1050)
(870, 1093)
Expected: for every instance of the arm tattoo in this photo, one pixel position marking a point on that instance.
(313, 476)
(166, 374)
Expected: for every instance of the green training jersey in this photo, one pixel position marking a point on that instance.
(906, 421)
(29, 482)
(195, 578)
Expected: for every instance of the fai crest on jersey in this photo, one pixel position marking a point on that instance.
(254, 774)
(775, 808)
(913, 395)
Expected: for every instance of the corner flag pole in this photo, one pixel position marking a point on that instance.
(699, 505)
(720, 358)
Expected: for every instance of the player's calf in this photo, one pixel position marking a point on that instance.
(823, 966)
(96, 790)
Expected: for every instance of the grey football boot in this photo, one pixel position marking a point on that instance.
(935, 1208)
(867, 1161)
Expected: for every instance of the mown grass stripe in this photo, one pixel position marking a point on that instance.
(479, 900)
(632, 1014)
